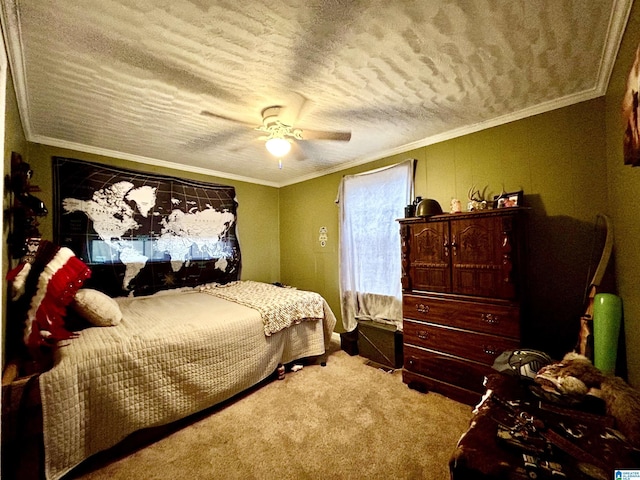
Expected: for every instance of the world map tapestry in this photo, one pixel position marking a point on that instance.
(141, 233)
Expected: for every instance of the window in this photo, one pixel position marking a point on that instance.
(370, 270)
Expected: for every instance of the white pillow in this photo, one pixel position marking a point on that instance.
(99, 309)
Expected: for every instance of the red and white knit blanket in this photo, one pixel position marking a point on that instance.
(49, 284)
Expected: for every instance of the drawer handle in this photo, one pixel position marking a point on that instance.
(421, 308)
(423, 335)
(490, 349)
(489, 318)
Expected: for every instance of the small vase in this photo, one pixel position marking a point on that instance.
(607, 316)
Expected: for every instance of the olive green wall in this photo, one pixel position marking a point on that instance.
(557, 158)
(624, 188)
(258, 206)
(14, 141)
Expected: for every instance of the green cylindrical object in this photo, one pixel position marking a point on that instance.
(607, 315)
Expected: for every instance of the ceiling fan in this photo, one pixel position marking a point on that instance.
(279, 132)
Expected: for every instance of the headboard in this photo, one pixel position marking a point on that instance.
(141, 233)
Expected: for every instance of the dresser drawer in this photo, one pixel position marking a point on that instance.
(426, 384)
(449, 369)
(474, 346)
(489, 318)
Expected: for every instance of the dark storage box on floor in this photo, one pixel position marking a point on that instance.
(349, 342)
(380, 343)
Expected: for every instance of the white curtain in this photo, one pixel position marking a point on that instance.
(370, 203)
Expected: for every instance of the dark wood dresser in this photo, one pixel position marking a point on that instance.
(463, 283)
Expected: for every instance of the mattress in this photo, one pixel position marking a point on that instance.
(173, 354)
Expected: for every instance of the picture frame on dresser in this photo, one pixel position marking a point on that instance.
(508, 200)
(630, 111)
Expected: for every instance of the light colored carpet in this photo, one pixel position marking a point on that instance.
(346, 420)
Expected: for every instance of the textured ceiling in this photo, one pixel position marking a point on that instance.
(130, 78)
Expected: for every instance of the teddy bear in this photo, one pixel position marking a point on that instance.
(575, 376)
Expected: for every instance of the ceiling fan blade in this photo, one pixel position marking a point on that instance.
(295, 108)
(207, 113)
(288, 115)
(320, 135)
(298, 152)
(207, 141)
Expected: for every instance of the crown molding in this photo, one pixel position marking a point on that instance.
(459, 132)
(620, 11)
(147, 160)
(405, 148)
(10, 21)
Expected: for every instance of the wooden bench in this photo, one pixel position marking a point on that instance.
(575, 440)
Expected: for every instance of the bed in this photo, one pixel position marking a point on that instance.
(154, 263)
(172, 354)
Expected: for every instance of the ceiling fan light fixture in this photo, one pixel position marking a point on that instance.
(278, 147)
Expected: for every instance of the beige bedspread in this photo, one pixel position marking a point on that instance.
(173, 354)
